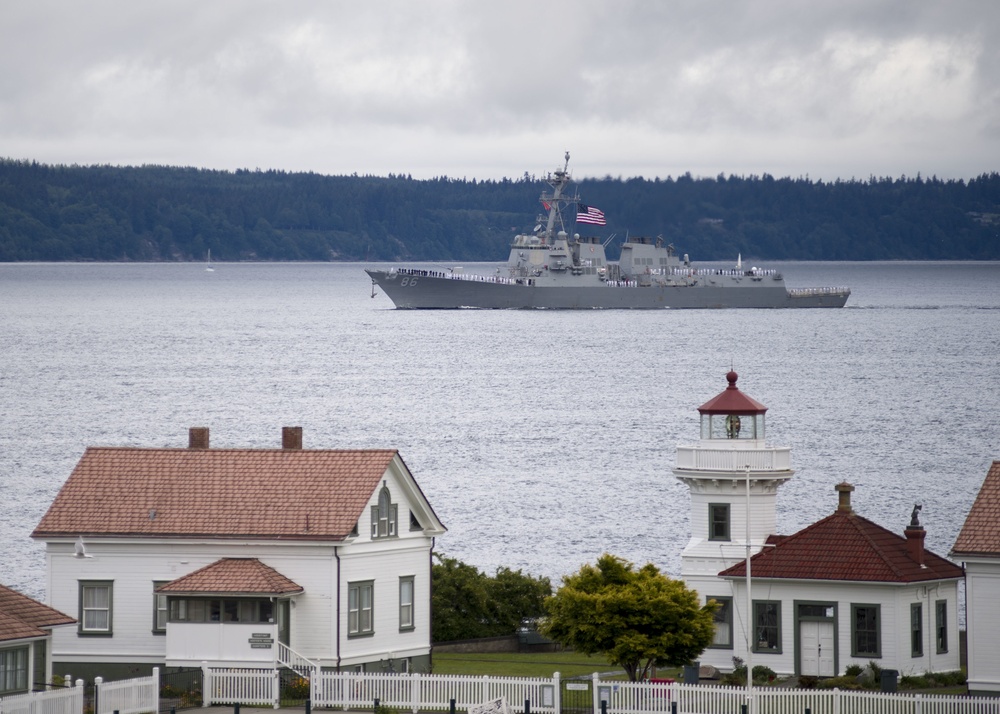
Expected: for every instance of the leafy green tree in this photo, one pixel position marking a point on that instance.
(637, 618)
(468, 604)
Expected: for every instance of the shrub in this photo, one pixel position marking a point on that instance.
(762, 674)
(853, 670)
(844, 682)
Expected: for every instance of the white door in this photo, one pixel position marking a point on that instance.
(816, 648)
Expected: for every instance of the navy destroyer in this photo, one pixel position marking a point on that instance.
(549, 268)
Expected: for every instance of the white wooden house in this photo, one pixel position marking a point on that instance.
(26, 627)
(978, 545)
(240, 558)
(841, 591)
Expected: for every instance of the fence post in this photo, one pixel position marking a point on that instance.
(206, 685)
(486, 689)
(276, 692)
(557, 687)
(155, 699)
(596, 692)
(836, 700)
(68, 680)
(97, 694)
(415, 691)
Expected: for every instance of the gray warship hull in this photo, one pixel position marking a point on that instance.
(411, 289)
(551, 269)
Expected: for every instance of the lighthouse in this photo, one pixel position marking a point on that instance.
(733, 477)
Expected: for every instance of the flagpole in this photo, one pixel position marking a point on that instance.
(750, 618)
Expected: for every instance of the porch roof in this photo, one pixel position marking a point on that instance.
(22, 617)
(232, 576)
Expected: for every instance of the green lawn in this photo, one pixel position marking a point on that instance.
(536, 664)
(510, 664)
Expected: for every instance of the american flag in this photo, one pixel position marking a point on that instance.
(589, 214)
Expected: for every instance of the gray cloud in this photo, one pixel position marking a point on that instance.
(828, 90)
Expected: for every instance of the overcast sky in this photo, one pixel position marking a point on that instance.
(470, 88)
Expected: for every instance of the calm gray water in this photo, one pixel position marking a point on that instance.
(542, 439)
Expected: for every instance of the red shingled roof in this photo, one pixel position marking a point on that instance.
(845, 546)
(22, 617)
(265, 493)
(732, 401)
(231, 576)
(980, 535)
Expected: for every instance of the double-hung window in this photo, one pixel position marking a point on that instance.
(718, 521)
(160, 612)
(941, 625)
(14, 670)
(96, 600)
(360, 598)
(723, 638)
(866, 635)
(916, 630)
(767, 626)
(406, 603)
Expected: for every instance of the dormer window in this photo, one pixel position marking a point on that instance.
(384, 516)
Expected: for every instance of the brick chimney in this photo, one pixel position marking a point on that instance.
(291, 437)
(915, 535)
(198, 437)
(844, 490)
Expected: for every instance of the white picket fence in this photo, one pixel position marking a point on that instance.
(656, 698)
(425, 692)
(66, 700)
(229, 685)
(140, 695)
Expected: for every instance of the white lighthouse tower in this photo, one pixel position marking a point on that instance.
(733, 476)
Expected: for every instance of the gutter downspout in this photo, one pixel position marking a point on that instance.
(336, 556)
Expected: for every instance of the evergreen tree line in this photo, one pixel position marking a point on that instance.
(159, 213)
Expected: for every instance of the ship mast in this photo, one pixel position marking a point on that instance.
(555, 200)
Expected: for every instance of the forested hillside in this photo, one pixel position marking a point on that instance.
(158, 213)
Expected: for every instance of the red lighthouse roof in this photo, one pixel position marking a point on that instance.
(732, 401)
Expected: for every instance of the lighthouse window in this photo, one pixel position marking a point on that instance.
(718, 521)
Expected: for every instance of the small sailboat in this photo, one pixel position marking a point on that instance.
(208, 263)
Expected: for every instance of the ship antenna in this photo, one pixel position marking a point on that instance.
(566, 167)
